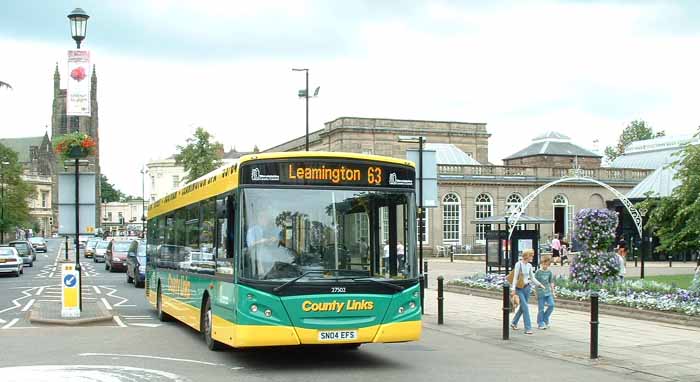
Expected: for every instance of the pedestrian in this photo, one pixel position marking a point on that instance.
(523, 287)
(556, 248)
(545, 296)
(621, 258)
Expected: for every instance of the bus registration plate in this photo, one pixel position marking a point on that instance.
(337, 335)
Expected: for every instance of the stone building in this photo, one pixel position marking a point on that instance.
(123, 218)
(474, 188)
(38, 169)
(62, 124)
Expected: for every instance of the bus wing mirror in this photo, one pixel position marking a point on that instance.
(221, 208)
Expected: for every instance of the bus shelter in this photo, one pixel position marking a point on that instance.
(502, 255)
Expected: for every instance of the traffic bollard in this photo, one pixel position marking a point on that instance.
(66, 248)
(425, 273)
(670, 260)
(594, 325)
(440, 300)
(506, 310)
(452, 254)
(422, 294)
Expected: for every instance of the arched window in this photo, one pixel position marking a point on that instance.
(513, 201)
(560, 200)
(451, 218)
(484, 209)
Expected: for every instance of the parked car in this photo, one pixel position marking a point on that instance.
(25, 250)
(101, 249)
(39, 244)
(82, 240)
(10, 261)
(115, 260)
(136, 264)
(90, 247)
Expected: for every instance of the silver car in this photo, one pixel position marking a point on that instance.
(10, 261)
(102, 249)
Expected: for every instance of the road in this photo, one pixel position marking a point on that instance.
(137, 347)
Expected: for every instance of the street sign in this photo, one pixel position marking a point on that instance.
(430, 188)
(66, 204)
(70, 287)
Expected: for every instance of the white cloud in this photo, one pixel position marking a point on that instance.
(584, 70)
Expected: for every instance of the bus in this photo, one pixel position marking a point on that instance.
(277, 249)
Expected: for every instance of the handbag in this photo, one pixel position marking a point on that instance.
(521, 278)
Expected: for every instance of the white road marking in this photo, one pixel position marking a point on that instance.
(51, 274)
(104, 301)
(149, 357)
(97, 290)
(2, 321)
(29, 305)
(119, 322)
(145, 325)
(137, 318)
(14, 321)
(38, 292)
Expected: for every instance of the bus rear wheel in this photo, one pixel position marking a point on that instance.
(206, 328)
(162, 316)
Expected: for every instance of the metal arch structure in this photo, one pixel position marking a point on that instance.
(517, 212)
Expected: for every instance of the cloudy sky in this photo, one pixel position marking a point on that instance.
(583, 68)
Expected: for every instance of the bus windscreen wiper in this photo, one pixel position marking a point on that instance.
(292, 281)
(390, 285)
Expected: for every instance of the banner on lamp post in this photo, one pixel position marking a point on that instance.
(78, 94)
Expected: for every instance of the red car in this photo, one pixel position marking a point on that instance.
(115, 260)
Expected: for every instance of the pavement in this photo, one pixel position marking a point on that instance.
(135, 346)
(643, 350)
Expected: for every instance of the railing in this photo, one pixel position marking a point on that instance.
(603, 173)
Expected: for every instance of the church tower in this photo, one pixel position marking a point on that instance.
(62, 124)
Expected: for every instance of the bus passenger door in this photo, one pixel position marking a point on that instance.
(224, 298)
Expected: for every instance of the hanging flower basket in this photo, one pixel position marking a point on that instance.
(74, 146)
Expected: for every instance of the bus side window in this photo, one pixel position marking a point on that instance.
(207, 236)
(224, 252)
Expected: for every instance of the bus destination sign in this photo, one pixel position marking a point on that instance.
(327, 173)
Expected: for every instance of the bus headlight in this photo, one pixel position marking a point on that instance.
(415, 294)
(249, 296)
(412, 305)
(253, 308)
(401, 309)
(268, 313)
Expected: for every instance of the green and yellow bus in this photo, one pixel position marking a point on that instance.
(290, 249)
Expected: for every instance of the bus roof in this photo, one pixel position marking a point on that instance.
(225, 178)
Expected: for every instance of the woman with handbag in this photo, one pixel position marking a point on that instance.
(523, 278)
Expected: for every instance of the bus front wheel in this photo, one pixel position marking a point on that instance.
(206, 328)
(162, 316)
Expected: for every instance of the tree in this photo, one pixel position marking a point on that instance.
(16, 193)
(109, 191)
(637, 130)
(200, 156)
(5, 85)
(675, 220)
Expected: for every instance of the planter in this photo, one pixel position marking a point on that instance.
(77, 152)
(584, 306)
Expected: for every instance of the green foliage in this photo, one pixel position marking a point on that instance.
(676, 219)
(637, 130)
(200, 156)
(109, 191)
(16, 192)
(5, 85)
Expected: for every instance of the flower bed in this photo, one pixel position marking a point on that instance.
(639, 294)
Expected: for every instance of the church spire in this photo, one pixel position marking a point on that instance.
(56, 81)
(93, 82)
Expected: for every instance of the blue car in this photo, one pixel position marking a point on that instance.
(136, 264)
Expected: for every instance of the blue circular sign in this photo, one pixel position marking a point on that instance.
(70, 281)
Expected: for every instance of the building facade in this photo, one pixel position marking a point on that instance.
(123, 218)
(63, 124)
(469, 187)
(38, 169)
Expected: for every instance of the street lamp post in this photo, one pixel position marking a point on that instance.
(420, 140)
(2, 196)
(78, 27)
(143, 202)
(643, 212)
(306, 95)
